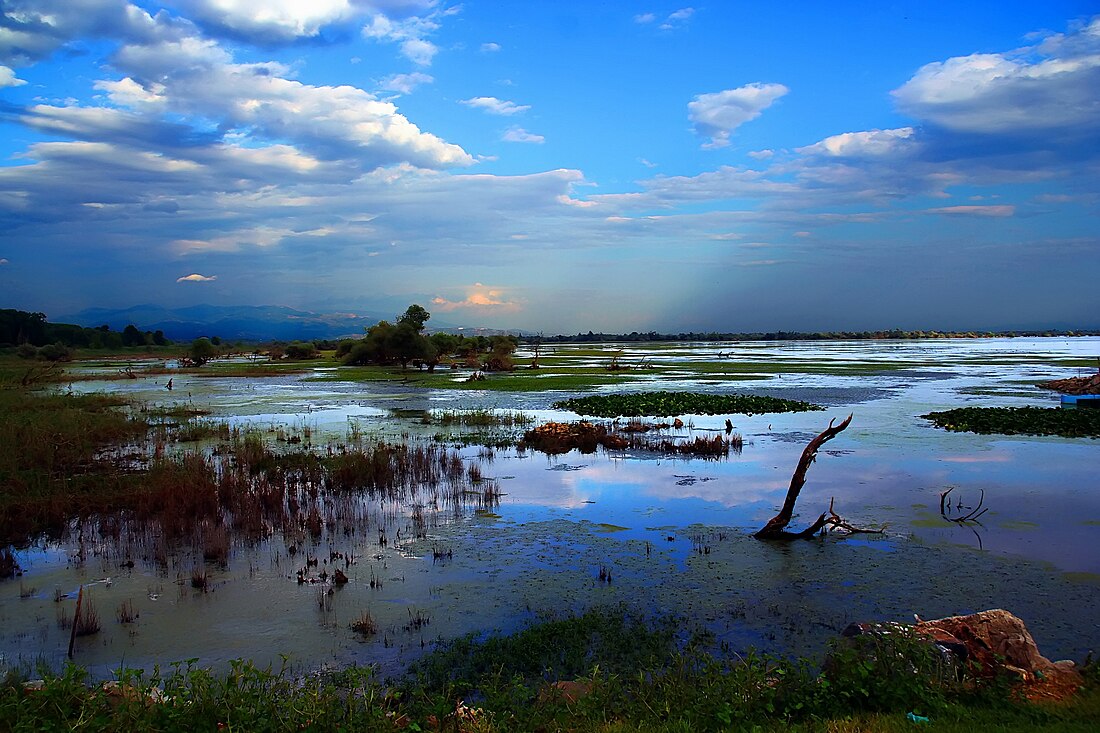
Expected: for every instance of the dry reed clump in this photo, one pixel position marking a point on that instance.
(717, 446)
(556, 437)
(200, 580)
(86, 622)
(365, 624)
(126, 613)
(215, 544)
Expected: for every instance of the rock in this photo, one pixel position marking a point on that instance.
(998, 642)
(566, 691)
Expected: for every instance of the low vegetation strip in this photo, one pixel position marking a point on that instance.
(1079, 423)
(668, 404)
(602, 671)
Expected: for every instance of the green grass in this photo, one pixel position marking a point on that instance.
(1067, 423)
(634, 675)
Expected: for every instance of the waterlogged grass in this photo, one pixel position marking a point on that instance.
(1071, 423)
(602, 671)
(668, 404)
(479, 418)
(51, 465)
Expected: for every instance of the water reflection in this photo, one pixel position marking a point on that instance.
(538, 545)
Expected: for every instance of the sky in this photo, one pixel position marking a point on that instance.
(558, 166)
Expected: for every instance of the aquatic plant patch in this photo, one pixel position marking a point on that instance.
(1019, 421)
(667, 404)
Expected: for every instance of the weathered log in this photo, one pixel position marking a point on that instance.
(775, 529)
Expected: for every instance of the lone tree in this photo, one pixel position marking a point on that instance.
(776, 528)
(202, 351)
(401, 341)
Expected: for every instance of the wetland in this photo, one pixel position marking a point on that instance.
(232, 501)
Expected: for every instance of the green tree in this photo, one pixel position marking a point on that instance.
(414, 316)
(301, 350)
(131, 336)
(406, 344)
(202, 351)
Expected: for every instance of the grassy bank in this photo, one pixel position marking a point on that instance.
(599, 672)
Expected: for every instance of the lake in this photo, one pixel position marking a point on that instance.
(673, 534)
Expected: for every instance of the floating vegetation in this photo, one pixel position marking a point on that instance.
(1019, 421)
(667, 404)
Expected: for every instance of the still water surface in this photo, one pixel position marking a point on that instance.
(674, 533)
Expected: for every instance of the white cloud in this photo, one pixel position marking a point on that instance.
(479, 298)
(495, 106)
(677, 18)
(862, 144)
(998, 211)
(197, 77)
(273, 21)
(717, 115)
(196, 278)
(519, 135)
(34, 29)
(419, 51)
(761, 154)
(490, 47)
(411, 33)
(643, 18)
(1042, 88)
(3, 261)
(8, 78)
(406, 83)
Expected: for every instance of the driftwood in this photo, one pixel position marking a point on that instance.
(776, 528)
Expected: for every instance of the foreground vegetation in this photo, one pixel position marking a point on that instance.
(669, 404)
(602, 671)
(1067, 423)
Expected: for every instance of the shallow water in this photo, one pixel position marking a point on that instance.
(644, 518)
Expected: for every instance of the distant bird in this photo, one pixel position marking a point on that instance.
(170, 384)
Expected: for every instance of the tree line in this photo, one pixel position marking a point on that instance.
(896, 334)
(32, 335)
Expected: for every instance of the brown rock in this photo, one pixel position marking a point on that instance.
(997, 642)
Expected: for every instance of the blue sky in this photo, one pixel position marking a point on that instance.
(557, 166)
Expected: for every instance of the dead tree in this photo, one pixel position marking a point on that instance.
(775, 529)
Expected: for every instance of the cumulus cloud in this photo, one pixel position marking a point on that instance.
(1042, 88)
(278, 22)
(479, 298)
(490, 47)
(495, 106)
(643, 18)
(406, 83)
(3, 261)
(519, 135)
(196, 278)
(717, 115)
(8, 78)
(409, 33)
(871, 143)
(194, 76)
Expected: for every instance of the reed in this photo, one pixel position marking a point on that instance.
(87, 622)
(364, 624)
(126, 613)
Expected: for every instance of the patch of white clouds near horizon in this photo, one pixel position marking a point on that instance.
(557, 166)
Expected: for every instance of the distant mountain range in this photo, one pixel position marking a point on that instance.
(231, 323)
